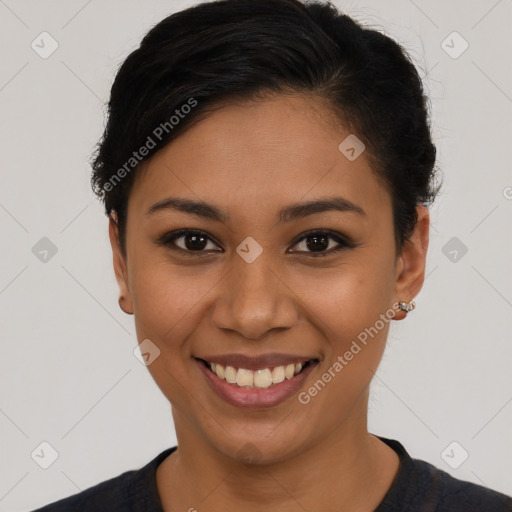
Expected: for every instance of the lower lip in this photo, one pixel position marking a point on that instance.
(255, 398)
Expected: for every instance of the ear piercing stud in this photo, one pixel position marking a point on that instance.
(407, 306)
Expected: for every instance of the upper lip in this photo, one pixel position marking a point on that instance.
(270, 360)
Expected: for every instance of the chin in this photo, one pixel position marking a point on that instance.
(259, 446)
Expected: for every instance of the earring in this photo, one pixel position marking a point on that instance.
(407, 306)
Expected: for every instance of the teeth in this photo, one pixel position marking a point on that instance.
(261, 379)
(219, 370)
(245, 377)
(289, 371)
(278, 374)
(229, 374)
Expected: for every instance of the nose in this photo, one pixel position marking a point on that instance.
(254, 299)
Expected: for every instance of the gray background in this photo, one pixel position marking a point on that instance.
(68, 375)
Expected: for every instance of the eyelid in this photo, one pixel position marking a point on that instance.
(338, 237)
(167, 239)
(343, 243)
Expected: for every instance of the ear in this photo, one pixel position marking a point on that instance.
(120, 267)
(410, 265)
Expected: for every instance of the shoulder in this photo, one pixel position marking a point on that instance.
(422, 487)
(133, 490)
(448, 493)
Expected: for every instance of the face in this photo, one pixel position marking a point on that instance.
(254, 288)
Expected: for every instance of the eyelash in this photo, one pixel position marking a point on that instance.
(168, 240)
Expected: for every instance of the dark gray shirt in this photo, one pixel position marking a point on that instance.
(417, 487)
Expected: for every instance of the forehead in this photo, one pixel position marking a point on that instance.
(259, 156)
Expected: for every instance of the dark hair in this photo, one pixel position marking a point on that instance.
(231, 50)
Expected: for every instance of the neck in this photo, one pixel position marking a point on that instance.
(349, 467)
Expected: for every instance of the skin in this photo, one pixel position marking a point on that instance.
(251, 160)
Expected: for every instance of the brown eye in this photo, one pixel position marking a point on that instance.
(193, 242)
(188, 241)
(317, 243)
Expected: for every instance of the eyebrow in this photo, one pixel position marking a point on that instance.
(287, 214)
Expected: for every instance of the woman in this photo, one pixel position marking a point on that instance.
(266, 169)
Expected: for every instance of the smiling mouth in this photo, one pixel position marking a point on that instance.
(263, 378)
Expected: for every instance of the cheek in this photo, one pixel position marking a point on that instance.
(167, 308)
(352, 296)
(354, 308)
(166, 299)
(353, 302)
